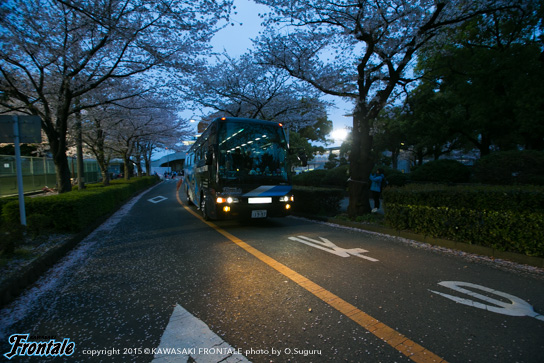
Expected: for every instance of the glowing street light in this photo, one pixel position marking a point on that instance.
(339, 134)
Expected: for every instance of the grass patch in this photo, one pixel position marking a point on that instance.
(374, 218)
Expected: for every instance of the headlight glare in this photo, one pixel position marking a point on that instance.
(287, 198)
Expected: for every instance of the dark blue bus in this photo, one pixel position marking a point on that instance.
(238, 168)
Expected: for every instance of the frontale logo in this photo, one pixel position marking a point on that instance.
(20, 346)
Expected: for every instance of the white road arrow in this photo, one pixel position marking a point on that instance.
(516, 306)
(187, 337)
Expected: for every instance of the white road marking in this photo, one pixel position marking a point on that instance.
(157, 199)
(186, 336)
(330, 247)
(516, 306)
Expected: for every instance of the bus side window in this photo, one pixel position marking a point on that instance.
(209, 156)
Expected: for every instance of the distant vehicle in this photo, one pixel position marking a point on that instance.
(238, 168)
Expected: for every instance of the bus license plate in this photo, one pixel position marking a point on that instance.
(258, 214)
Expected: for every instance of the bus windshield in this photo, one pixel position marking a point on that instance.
(252, 153)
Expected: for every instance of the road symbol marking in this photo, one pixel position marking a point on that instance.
(157, 199)
(330, 247)
(186, 337)
(516, 306)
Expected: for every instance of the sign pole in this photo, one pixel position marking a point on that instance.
(16, 139)
(20, 129)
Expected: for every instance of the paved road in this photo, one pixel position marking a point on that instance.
(276, 290)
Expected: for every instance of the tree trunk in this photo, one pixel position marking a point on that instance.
(100, 153)
(139, 169)
(127, 166)
(395, 158)
(79, 147)
(147, 165)
(56, 133)
(103, 164)
(62, 169)
(105, 177)
(80, 162)
(419, 156)
(361, 164)
(485, 145)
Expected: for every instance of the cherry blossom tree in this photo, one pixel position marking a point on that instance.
(131, 129)
(362, 50)
(242, 88)
(53, 52)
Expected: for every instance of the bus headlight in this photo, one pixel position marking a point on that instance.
(228, 200)
(287, 198)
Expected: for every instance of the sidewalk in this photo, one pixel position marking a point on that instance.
(19, 273)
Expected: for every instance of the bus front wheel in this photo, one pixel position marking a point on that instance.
(189, 201)
(203, 209)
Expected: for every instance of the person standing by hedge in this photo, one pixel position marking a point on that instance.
(377, 180)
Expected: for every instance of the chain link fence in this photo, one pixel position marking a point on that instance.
(39, 172)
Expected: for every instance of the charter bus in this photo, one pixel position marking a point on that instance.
(238, 168)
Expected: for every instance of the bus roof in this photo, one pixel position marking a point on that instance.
(243, 119)
(233, 119)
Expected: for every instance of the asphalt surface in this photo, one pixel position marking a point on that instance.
(253, 284)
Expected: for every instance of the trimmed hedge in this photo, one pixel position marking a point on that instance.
(478, 197)
(394, 177)
(317, 201)
(336, 177)
(441, 171)
(4, 201)
(511, 167)
(505, 218)
(74, 211)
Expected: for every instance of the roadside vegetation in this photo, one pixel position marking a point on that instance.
(66, 213)
(497, 203)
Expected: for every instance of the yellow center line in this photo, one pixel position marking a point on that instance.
(401, 343)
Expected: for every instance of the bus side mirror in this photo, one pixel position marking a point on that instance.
(303, 158)
(209, 158)
(301, 155)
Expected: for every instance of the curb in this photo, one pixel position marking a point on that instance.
(19, 280)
